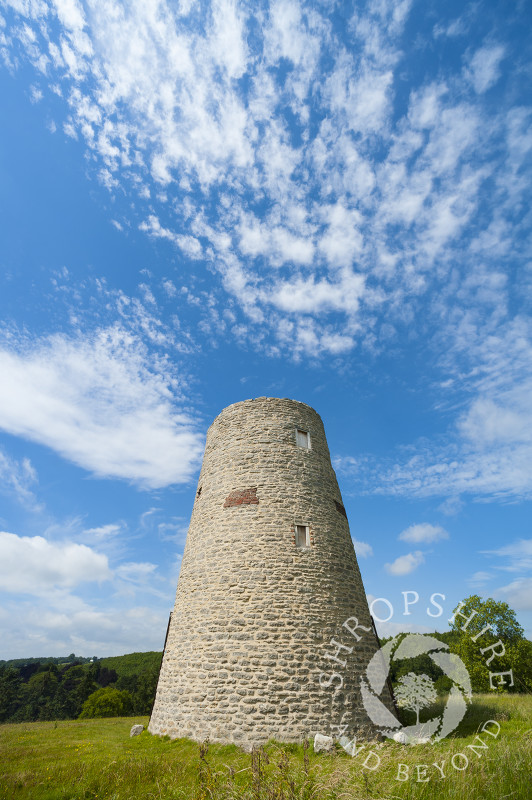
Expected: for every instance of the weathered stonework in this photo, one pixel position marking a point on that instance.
(246, 653)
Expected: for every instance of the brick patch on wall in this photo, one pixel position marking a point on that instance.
(242, 497)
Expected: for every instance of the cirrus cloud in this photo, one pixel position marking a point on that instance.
(101, 404)
(289, 159)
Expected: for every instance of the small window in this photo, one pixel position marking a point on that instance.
(303, 439)
(302, 536)
(340, 508)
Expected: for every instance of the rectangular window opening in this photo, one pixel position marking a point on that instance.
(302, 536)
(303, 439)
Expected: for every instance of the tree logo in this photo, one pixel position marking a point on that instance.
(415, 692)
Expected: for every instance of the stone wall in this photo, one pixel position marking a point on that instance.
(245, 659)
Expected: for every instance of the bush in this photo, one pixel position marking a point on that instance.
(107, 702)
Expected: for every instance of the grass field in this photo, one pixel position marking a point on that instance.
(84, 760)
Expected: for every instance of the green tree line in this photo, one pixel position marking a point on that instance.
(61, 689)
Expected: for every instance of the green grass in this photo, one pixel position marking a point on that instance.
(89, 759)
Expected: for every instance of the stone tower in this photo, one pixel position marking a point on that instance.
(269, 577)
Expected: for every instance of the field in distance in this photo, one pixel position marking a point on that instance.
(96, 760)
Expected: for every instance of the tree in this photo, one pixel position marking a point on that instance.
(415, 692)
(520, 658)
(127, 682)
(106, 676)
(10, 688)
(492, 612)
(146, 688)
(504, 626)
(107, 702)
(422, 664)
(57, 688)
(37, 695)
(76, 685)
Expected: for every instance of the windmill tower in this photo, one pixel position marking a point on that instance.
(268, 578)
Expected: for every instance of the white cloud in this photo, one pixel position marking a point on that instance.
(103, 532)
(451, 506)
(516, 555)
(112, 621)
(484, 67)
(492, 474)
(488, 422)
(97, 403)
(457, 27)
(345, 464)
(362, 549)
(311, 296)
(68, 624)
(136, 572)
(133, 578)
(228, 37)
(241, 130)
(33, 565)
(276, 242)
(518, 594)
(285, 35)
(488, 451)
(18, 478)
(517, 549)
(169, 288)
(188, 244)
(342, 240)
(425, 110)
(35, 94)
(404, 565)
(479, 579)
(423, 532)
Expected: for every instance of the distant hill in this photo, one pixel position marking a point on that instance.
(133, 663)
(57, 687)
(22, 662)
(129, 664)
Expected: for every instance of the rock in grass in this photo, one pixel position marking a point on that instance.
(323, 743)
(400, 737)
(136, 730)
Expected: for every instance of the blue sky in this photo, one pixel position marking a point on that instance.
(206, 202)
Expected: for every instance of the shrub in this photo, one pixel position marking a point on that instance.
(107, 702)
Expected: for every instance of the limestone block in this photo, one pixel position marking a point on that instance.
(323, 744)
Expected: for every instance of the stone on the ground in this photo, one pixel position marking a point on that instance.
(400, 737)
(136, 730)
(323, 743)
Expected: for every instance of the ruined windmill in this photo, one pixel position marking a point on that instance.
(269, 576)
